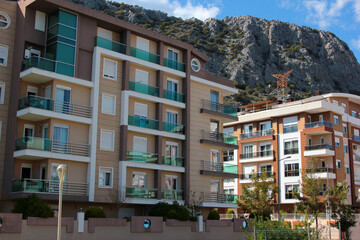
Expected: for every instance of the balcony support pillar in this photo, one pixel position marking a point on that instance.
(157, 183)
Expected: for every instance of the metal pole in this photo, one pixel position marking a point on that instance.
(61, 174)
(328, 202)
(309, 237)
(339, 230)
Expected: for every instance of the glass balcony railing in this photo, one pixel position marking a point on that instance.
(319, 146)
(172, 194)
(320, 170)
(175, 96)
(172, 127)
(48, 65)
(138, 53)
(246, 176)
(173, 161)
(219, 137)
(318, 124)
(143, 122)
(356, 138)
(218, 107)
(261, 154)
(143, 88)
(291, 128)
(144, 193)
(142, 157)
(219, 197)
(33, 143)
(262, 133)
(174, 64)
(110, 45)
(219, 167)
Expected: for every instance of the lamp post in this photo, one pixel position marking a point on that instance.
(279, 195)
(61, 174)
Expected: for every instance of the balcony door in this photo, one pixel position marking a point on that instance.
(142, 77)
(248, 151)
(140, 147)
(171, 153)
(63, 98)
(31, 91)
(173, 57)
(29, 131)
(171, 182)
(265, 150)
(60, 138)
(214, 160)
(141, 114)
(214, 100)
(143, 44)
(26, 171)
(249, 170)
(264, 128)
(138, 180)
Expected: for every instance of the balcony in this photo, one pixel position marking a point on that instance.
(172, 195)
(356, 138)
(49, 105)
(143, 88)
(249, 176)
(110, 45)
(143, 122)
(174, 64)
(219, 139)
(217, 109)
(175, 96)
(143, 55)
(173, 161)
(143, 193)
(219, 169)
(322, 172)
(318, 124)
(172, 127)
(319, 150)
(267, 155)
(218, 199)
(48, 65)
(292, 173)
(49, 186)
(288, 151)
(290, 128)
(262, 133)
(141, 157)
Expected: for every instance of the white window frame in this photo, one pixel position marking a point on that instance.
(292, 184)
(29, 126)
(105, 131)
(336, 120)
(113, 97)
(196, 62)
(32, 89)
(104, 33)
(173, 112)
(338, 163)
(337, 142)
(172, 177)
(114, 78)
(2, 92)
(140, 174)
(40, 21)
(6, 54)
(346, 148)
(174, 50)
(106, 170)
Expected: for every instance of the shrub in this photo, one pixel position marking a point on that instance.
(170, 211)
(230, 213)
(213, 215)
(33, 206)
(172, 214)
(94, 212)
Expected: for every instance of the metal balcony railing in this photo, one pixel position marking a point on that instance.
(218, 197)
(111, 45)
(142, 157)
(260, 154)
(290, 128)
(291, 151)
(262, 133)
(292, 173)
(219, 167)
(319, 146)
(172, 194)
(218, 107)
(318, 124)
(219, 137)
(245, 176)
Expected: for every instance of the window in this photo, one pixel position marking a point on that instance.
(346, 149)
(289, 188)
(321, 118)
(347, 170)
(171, 182)
(4, 50)
(215, 160)
(4, 20)
(173, 58)
(266, 168)
(344, 106)
(108, 104)
(336, 120)
(103, 33)
(291, 169)
(353, 113)
(291, 147)
(40, 21)
(109, 69)
(214, 186)
(172, 117)
(140, 144)
(142, 44)
(105, 177)
(290, 124)
(335, 102)
(195, 65)
(139, 179)
(345, 128)
(141, 115)
(214, 127)
(228, 155)
(141, 76)
(172, 153)
(338, 163)
(265, 128)
(107, 138)
(265, 150)
(322, 141)
(2, 93)
(214, 100)
(229, 191)
(248, 151)
(337, 142)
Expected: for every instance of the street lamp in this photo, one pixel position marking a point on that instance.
(61, 174)
(279, 175)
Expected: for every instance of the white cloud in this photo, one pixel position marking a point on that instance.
(355, 43)
(175, 8)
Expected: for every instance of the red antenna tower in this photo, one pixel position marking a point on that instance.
(282, 89)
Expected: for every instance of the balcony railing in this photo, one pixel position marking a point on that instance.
(54, 146)
(262, 133)
(54, 105)
(218, 107)
(321, 170)
(219, 197)
(172, 127)
(143, 88)
(267, 153)
(144, 193)
(49, 186)
(356, 138)
(292, 173)
(138, 53)
(290, 128)
(319, 146)
(141, 157)
(174, 64)
(318, 124)
(172, 194)
(219, 137)
(175, 96)
(48, 65)
(143, 122)
(246, 176)
(291, 151)
(173, 161)
(111, 45)
(219, 167)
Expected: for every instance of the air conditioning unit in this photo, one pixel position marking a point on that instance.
(27, 53)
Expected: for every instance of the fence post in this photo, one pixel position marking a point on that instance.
(254, 233)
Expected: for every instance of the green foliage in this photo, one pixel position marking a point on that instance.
(33, 206)
(213, 215)
(170, 211)
(94, 212)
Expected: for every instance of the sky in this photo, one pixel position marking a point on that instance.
(341, 17)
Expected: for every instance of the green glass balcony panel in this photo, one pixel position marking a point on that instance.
(113, 46)
(179, 97)
(36, 102)
(64, 68)
(134, 52)
(229, 110)
(172, 127)
(173, 161)
(37, 62)
(65, 40)
(218, 107)
(141, 157)
(230, 198)
(174, 64)
(29, 185)
(230, 139)
(67, 18)
(230, 168)
(143, 88)
(65, 53)
(143, 122)
(66, 31)
(143, 193)
(172, 194)
(33, 143)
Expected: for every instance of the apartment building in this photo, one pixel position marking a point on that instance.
(133, 115)
(279, 139)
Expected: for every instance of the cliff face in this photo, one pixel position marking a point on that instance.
(249, 50)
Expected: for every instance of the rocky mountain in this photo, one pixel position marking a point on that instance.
(249, 50)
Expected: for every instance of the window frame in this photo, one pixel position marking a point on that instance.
(337, 143)
(336, 120)
(2, 92)
(291, 184)
(114, 78)
(106, 95)
(338, 164)
(294, 172)
(6, 56)
(106, 170)
(106, 131)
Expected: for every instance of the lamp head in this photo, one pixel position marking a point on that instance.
(61, 172)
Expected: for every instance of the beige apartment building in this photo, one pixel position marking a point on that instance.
(133, 115)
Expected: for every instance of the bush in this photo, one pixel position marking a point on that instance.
(172, 214)
(94, 212)
(213, 215)
(33, 206)
(230, 213)
(170, 211)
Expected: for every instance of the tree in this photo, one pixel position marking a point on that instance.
(257, 198)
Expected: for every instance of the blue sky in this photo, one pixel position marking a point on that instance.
(342, 17)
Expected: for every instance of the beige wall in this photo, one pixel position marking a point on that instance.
(152, 74)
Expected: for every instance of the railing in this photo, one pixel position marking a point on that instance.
(48, 65)
(173, 161)
(292, 173)
(219, 167)
(218, 107)
(356, 138)
(318, 124)
(320, 170)
(260, 154)
(219, 197)
(143, 122)
(143, 88)
(141, 157)
(172, 127)
(111, 45)
(52, 146)
(49, 186)
(138, 53)
(319, 146)
(54, 105)
(229, 158)
(244, 176)
(144, 193)
(262, 133)
(174, 64)
(172, 194)
(291, 151)
(219, 137)
(290, 128)
(175, 96)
